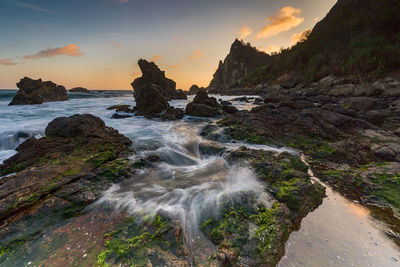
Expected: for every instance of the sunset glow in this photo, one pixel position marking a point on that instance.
(96, 44)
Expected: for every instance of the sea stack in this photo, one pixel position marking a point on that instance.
(152, 74)
(37, 92)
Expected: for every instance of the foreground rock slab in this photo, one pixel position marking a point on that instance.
(37, 92)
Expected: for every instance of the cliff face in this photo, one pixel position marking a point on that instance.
(357, 37)
(241, 60)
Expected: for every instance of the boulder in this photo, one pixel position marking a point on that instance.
(171, 114)
(152, 74)
(79, 90)
(230, 109)
(201, 110)
(37, 92)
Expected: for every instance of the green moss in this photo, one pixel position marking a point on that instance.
(102, 155)
(267, 223)
(115, 169)
(129, 243)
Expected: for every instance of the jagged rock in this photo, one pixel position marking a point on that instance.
(203, 98)
(203, 106)
(152, 74)
(241, 60)
(149, 100)
(37, 92)
(79, 90)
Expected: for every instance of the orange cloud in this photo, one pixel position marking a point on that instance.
(156, 58)
(244, 32)
(116, 45)
(301, 36)
(176, 66)
(197, 54)
(283, 21)
(71, 50)
(7, 62)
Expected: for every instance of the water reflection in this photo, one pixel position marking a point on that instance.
(340, 233)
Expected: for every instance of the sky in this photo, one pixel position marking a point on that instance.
(96, 43)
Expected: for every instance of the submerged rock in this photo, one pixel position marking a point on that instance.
(152, 74)
(37, 92)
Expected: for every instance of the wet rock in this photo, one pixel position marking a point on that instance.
(342, 90)
(150, 101)
(122, 108)
(203, 106)
(226, 103)
(151, 74)
(79, 156)
(364, 103)
(79, 90)
(120, 116)
(230, 109)
(172, 113)
(37, 92)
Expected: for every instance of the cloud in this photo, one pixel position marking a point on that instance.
(301, 36)
(116, 45)
(283, 21)
(156, 58)
(71, 50)
(244, 32)
(197, 54)
(7, 62)
(270, 49)
(30, 6)
(176, 66)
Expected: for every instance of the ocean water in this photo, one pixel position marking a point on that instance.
(186, 183)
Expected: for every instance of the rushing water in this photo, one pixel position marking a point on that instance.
(187, 183)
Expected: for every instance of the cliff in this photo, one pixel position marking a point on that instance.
(241, 60)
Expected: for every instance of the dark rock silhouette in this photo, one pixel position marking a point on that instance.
(79, 90)
(37, 92)
(152, 74)
(203, 106)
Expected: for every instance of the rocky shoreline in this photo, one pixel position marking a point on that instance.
(348, 130)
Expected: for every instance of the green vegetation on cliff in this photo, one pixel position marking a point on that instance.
(356, 37)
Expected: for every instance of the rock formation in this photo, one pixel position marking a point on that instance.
(194, 89)
(37, 92)
(241, 60)
(203, 106)
(152, 74)
(79, 90)
(151, 103)
(62, 165)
